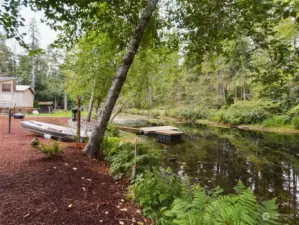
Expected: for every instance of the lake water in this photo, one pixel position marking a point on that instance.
(266, 162)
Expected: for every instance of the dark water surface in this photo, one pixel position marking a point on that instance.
(266, 162)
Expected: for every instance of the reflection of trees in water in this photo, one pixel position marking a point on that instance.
(267, 163)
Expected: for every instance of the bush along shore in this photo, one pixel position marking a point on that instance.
(169, 199)
(255, 115)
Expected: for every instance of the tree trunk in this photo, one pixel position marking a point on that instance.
(90, 107)
(98, 134)
(98, 104)
(65, 102)
(244, 87)
(55, 104)
(150, 97)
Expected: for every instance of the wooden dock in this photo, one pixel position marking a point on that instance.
(165, 134)
(131, 130)
(169, 136)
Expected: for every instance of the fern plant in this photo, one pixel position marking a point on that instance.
(169, 200)
(155, 189)
(48, 149)
(241, 208)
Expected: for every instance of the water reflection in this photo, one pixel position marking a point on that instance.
(268, 163)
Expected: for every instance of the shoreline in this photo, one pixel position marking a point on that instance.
(251, 127)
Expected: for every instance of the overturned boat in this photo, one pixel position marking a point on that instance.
(56, 132)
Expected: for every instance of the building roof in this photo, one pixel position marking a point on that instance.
(24, 88)
(6, 78)
(45, 103)
(17, 87)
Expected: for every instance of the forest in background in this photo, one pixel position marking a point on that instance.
(41, 71)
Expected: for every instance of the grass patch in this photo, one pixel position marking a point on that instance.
(57, 113)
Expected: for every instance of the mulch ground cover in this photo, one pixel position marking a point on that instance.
(67, 189)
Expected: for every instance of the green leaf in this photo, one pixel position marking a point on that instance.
(286, 14)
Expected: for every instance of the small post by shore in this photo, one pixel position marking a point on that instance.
(78, 119)
(135, 160)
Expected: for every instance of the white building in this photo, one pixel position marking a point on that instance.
(15, 96)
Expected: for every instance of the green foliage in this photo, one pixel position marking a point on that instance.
(239, 208)
(120, 155)
(112, 130)
(164, 197)
(276, 121)
(247, 112)
(192, 114)
(295, 122)
(48, 149)
(154, 190)
(7, 63)
(85, 71)
(202, 21)
(294, 111)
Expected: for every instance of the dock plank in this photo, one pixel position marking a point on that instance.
(153, 130)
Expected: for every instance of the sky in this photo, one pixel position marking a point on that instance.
(47, 35)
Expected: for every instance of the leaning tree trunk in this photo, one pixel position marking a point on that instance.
(90, 107)
(98, 134)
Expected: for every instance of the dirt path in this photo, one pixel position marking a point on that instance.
(69, 189)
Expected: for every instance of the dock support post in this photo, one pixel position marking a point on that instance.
(78, 119)
(135, 160)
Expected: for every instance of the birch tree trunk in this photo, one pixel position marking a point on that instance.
(90, 107)
(55, 103)
(65, 102)
(98, 134)
(98, 104)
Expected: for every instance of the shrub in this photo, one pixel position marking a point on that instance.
(112, 130)
(254, 111)
(276, 121)
(120, 155)
(166, 198)
(294, 111)
(203, 208)
(154, 190)
(172, 112)
(295, 122)
(217, 115)
(48, 149)
(193, 114)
